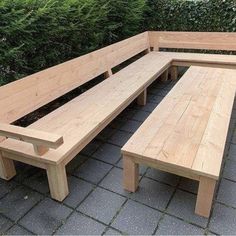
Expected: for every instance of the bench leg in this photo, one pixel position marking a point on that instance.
(205, 196)
(130, 174)
(57, 180)
(142, 98)
(7, 168)
(174, 72)
(164, 76)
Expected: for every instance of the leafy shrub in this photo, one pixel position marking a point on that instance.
(36, 34)
(182, 15)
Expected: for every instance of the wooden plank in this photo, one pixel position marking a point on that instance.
(130, 174)
(74, 120)
(174, 72)
(184, 130)
(205, 196)
(57, 181)
(7, 168)
(36, 137)
(45, 86)
(142, 98)
(193, 40)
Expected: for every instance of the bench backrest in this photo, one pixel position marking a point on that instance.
(21, 97)
(193, 40)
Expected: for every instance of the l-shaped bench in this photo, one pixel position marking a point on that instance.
(54, 140)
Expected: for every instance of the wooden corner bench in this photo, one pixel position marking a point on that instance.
(186, 133)
(54, 140)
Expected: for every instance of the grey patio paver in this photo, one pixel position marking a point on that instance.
(135, 218)
(113, 182)
(227, 192)
(130, 126)
(189, 185)
(77, 224)
(162, 176)
(6, 187)
(112, 232)
(102, 205)
(172, 226)
(223, 220)
(93, 170)
(140, 115)
(183, 205)
(18, 202)
(229, 170)
(79, 189)
(108, 153)
(46, 217)
(120, 138)
(5, 224)
(18, 230)
(153, 193)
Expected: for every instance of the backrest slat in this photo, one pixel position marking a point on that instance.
(21, 97)
(194, 40)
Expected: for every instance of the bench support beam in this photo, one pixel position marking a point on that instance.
(142, 98)
(57, 180)
(205, 196)
(174, 72)
(164, 76)
(130, 174)
(7, 168)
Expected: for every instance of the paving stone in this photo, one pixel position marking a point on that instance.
(93, 170)
(75, 163)
(113, 182)
(102, 205)
(153, 193)
(149, 107)
(5, 224)
(79, 189)
(127, 113)
(24, 171)
(6, 187)
(16, 203)
(223, 220)
(183, 206)
(91, 147)
(46, 217)
(162, 176)
(111, 231)
(189, 185)
(77, 224)
(172, 226)
(105, 134)
(154, 99)
(18, 230)
(227, 192)
(38, 182)
(229, 170)
(140, 116)
(232, 152)
(119, 138)
(136, 219)
(117, 123)
(108, 153)
(131, 126)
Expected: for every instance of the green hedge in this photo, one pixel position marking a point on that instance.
(36, 34)
(198, 15)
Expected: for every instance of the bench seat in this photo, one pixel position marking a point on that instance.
(186, 133)
(81, 119)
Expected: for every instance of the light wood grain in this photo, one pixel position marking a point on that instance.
(193, 40)
(45, 86)
(142, 98)
(36, 137)
(205, 195)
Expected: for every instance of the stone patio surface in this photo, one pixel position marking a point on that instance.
(97, 203)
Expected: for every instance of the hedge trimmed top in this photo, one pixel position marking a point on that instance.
(36, 34)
